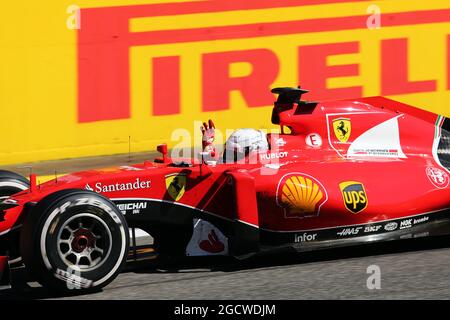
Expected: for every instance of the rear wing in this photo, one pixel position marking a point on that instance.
(287, 98)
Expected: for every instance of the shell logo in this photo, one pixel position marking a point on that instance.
(300, 195)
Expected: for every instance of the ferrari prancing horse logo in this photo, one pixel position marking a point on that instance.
(342, 129)
(176, 185)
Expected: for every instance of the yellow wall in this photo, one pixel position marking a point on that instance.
(39, 88)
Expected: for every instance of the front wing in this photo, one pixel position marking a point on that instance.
(4, 273)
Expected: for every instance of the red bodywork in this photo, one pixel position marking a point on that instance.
(347, 170)
(4, 276)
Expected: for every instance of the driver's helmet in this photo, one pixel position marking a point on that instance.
(242, 142)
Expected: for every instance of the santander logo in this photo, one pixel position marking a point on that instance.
(213, 244)
(99, 187)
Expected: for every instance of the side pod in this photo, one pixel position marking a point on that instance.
(246, 225)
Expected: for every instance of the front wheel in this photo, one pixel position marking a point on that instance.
(12, 183)
(75, 241)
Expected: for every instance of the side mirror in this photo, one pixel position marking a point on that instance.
(162, 148)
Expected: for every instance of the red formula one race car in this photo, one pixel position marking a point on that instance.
(340, 173)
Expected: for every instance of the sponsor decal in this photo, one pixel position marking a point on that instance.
(355, 197)
(314, 140)
(365, 134)
(421, 220)
(405, 224)
(280, 142)
(381, 141)
(415, 235)
(390, 153)
(349, 231)
(206, 240)
(386, 227)
(305, 237)
(132, 208)
(391, 226)
(271, 156)
(212, 244)
(138, 184)
(370, 229)
(439, 178)
(421, 234)
(73, 279)
(342, 129)
(300, 195)
(441, 144)
(176, 185)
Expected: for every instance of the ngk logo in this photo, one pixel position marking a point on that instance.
(128, 59)
(406, 224)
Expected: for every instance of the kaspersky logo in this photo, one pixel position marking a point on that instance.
(355, 197)
(301, 195)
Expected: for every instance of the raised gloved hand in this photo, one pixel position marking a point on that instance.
(208, 131)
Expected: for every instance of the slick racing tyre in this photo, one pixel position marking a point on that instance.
(12, 183)
(74, 241)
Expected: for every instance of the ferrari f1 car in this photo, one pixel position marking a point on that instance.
(340, 173)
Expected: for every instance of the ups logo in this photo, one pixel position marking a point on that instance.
(355, 197)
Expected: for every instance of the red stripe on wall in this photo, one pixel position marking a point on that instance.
(167, 9)
(285, 27)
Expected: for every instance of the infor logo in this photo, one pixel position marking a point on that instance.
(355, 197)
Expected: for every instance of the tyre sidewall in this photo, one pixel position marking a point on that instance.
(47, 264)
(12, 183)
